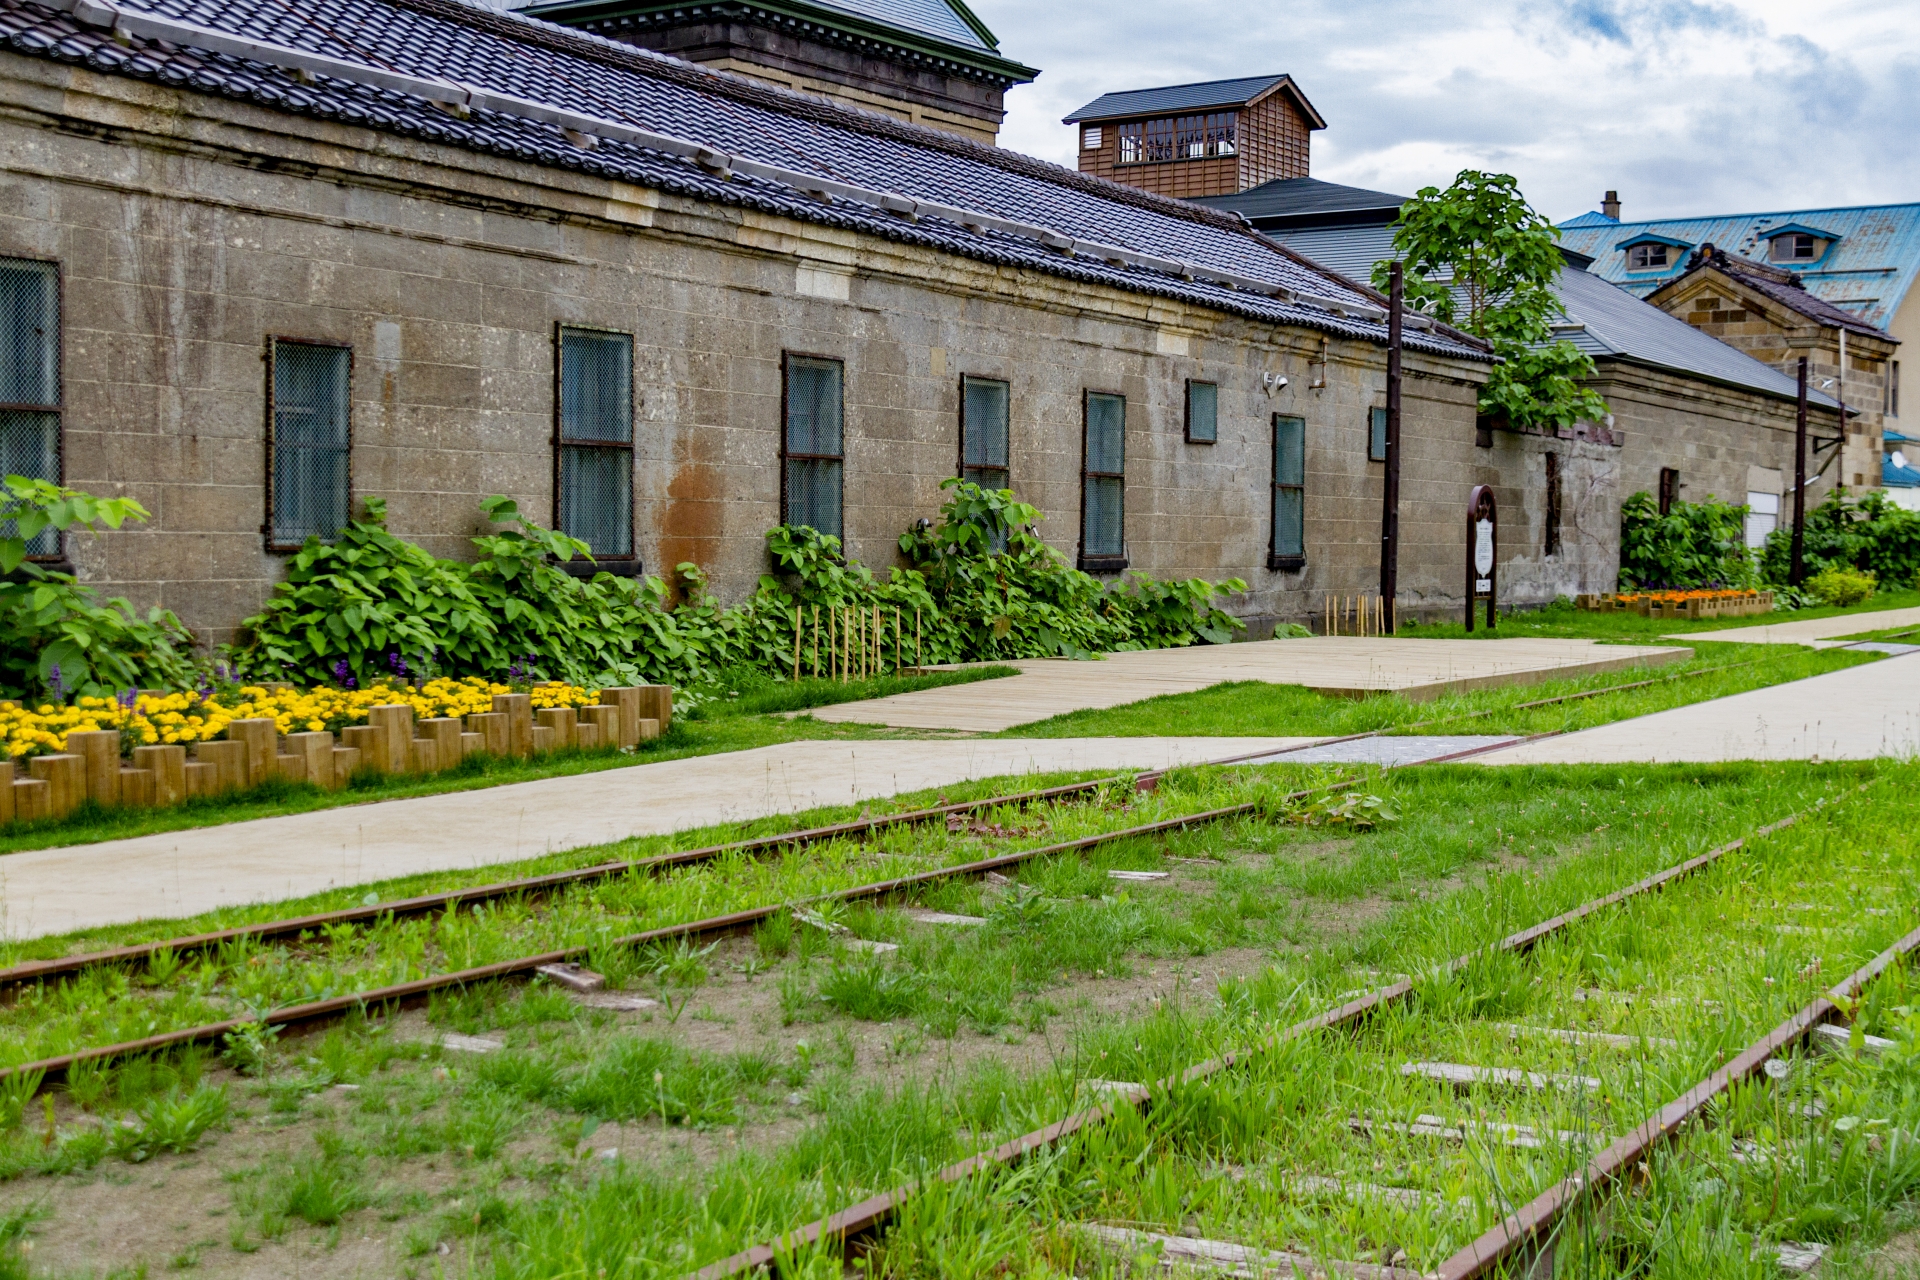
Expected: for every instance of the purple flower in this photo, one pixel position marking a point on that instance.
(55, 685)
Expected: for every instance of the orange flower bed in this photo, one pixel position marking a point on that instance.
(1698, 593)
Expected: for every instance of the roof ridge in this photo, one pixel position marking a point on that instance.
(559, 39)
(1762, 213)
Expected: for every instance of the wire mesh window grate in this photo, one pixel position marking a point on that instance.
(311, 442)
(1203, 413)
(594, 491)
(1103, 502)
(30, 380)
(1289, 488)
(813, 444)
(1377, 435)
(983, 433)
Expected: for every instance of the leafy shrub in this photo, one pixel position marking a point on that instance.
(983, 585)
(1842, 587)
(58, 637)
(1868, 532)
(1696, 544)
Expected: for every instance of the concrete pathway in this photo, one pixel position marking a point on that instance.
(1348, 665)
(1817, 633)
(181, 873)
(1860, 713)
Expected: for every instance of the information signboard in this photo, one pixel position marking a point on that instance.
(1483, 551)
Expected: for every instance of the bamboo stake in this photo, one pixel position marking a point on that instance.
(816, 642)
(796, 642)
(917, 662)
(879, 629)
(896, 641)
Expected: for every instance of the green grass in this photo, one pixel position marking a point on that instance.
(494, 1152)
(1562, 618)
(1252, 709)
(733, 724)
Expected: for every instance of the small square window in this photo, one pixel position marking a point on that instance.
(1646, 257)
(1376, 435)
(1203, 412)
(1793, 247)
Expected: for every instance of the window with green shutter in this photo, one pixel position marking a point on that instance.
(593, 481)
(309, 442)
(1103, 542)
(30, 380)
(983, 433)
(1288, 548)
(1203, 412)
(812, 446)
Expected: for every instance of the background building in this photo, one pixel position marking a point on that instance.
(1206, 139)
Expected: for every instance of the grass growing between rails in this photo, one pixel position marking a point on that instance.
(725, 724)
(786, 1074)
(1255, 709)
(1563, 618)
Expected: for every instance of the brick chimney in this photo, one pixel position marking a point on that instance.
(1610, 205)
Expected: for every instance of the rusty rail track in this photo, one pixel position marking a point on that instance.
(847, 1226)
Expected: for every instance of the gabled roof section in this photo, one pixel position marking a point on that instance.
(1307, 202)
(936, 30)
(1602, 319)
(551, 96)
(1798, 228)
(1867, 272)
(1652, 237)
(1776, 283)
(1208, 95)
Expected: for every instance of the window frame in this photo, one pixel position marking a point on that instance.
(786, 456)
(274, 340)
(1289, 562)
(1645, 252)
(1552, 542)
(621, 565)
(58, 408)
(1215, 437)
(1891, 398)
(1101, 564)
(1205, 135)
(962, 467)
(1669, 491)
(1377, 434)
(1793, 240)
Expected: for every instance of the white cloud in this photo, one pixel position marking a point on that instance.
(1685, 106)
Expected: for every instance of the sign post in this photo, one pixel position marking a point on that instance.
(1483, 551)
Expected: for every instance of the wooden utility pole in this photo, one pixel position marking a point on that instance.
(1798, 569)
(1390, 498)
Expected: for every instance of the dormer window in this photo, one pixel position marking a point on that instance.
(1647, 257)
(1795, 247)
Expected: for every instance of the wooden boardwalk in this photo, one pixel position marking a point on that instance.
(1350, 666)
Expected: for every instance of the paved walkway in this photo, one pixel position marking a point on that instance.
(1856, 714)
(1344, 665)
(182, 873)
(1817, 633)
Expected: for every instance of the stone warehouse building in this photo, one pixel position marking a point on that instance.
(1690, 415)
(256, 269)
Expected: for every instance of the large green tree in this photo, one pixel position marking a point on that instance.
(1479, 257)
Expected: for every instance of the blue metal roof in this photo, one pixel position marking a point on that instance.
(510, 54)
(1614, 323)
(1866, 272)
(1175, 97)
(1897, 477)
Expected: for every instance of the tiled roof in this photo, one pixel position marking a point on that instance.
(1301, 201)
(1175, 97)
(1615, 325)
(1867, 271)
(511, 54)
(936, 18)
(1780, 285)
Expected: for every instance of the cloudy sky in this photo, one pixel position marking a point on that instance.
(1684, 107)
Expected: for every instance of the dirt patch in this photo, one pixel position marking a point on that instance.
(1897, 1259)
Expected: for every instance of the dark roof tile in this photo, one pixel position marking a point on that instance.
(1175, 97)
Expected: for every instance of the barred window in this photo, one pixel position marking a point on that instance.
(1376, 435)
(593, 498)
(1179, 138)
(309, 442)
(814, 444)
(1103, 543)
(30, 380)
(1288, 548)
(1203, 412)
(983, 433)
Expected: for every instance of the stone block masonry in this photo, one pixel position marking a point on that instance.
(254, 752)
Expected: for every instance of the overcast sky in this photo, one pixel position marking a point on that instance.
(1685, 108)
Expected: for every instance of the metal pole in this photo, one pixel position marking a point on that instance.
(1798, 569)
(1390, 498)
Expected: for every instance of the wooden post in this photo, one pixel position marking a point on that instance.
(816, 642)
(202, 779)
(31, 800)
(260, 736)
(560, 720)
(66, 778)
(625, 700)
(168, 764)
(918, 661)
(605, 722)
(491, 728)
(896, 640)
(6, 792)
(316, 748)
(367, 743)
(656, 703)
(1390, 492)
(833, 649)
(796, 643)
(444, 731)
(292, 767)
(346, 760)
(229, 761)
(394, 720)
(518, 708)
(100, 748)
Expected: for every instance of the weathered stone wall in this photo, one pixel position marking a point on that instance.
(191, 229)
